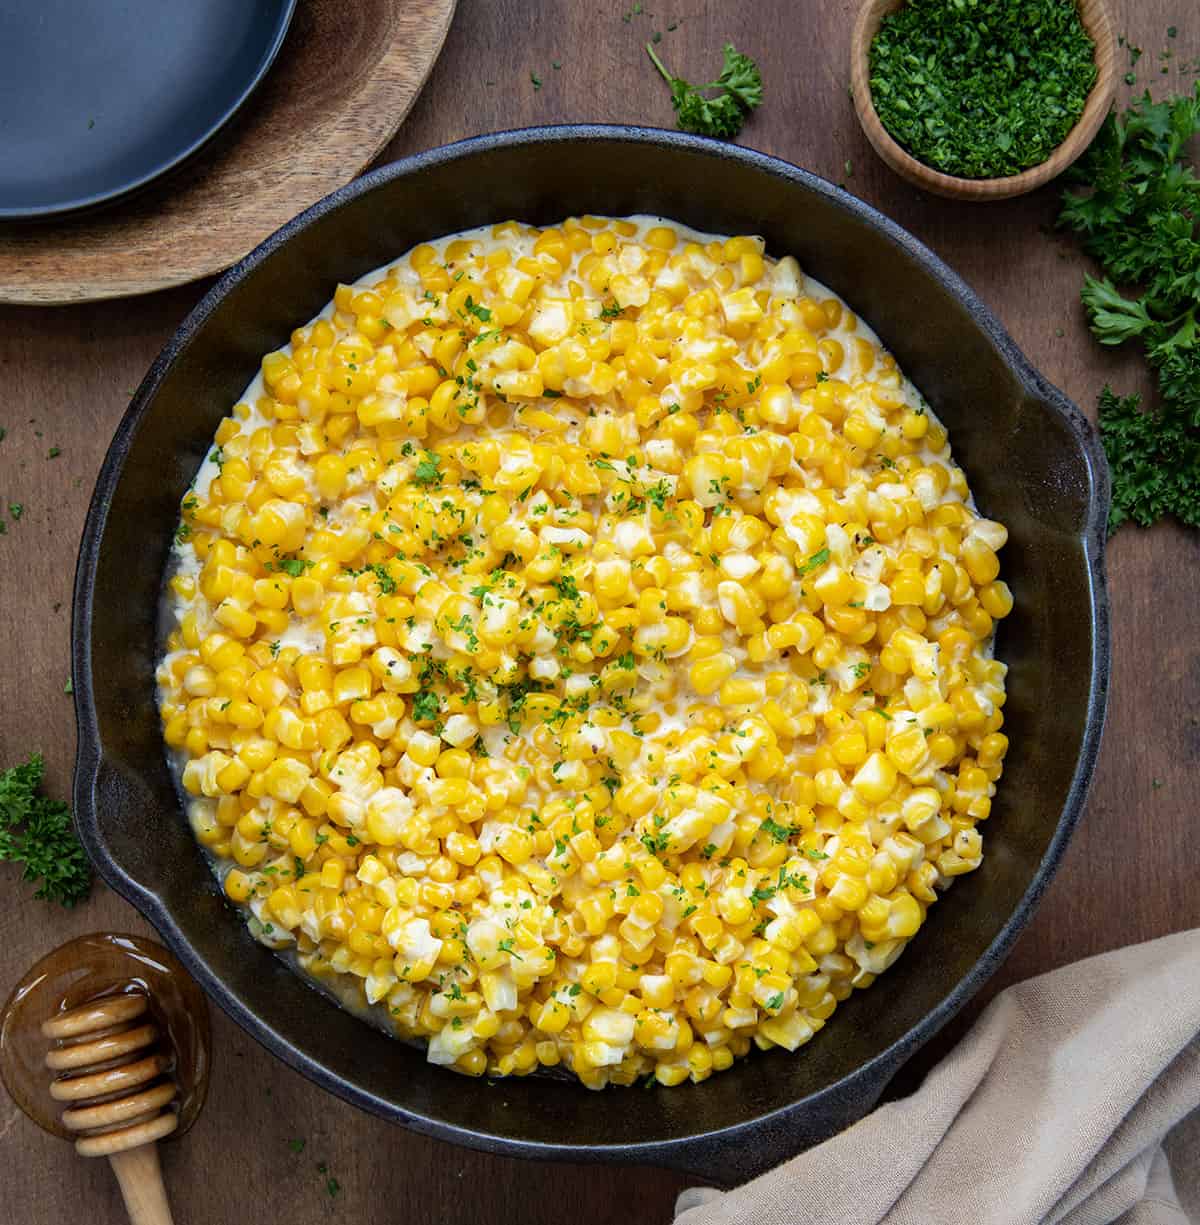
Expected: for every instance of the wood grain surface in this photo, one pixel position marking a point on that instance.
(343, 82)
(67, 373)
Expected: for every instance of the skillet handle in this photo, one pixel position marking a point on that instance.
(115, 809)
(727, 1161)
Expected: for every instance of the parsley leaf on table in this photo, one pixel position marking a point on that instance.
(723, 115)
(1154, 459)
(1115, 319)
(740, 77)
(1137, 215)
(36, 831)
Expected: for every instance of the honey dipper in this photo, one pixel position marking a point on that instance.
(129, 1053)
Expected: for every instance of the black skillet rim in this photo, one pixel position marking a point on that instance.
(70, 208)
(867, 1082)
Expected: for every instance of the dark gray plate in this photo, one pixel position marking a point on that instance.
(98, 99)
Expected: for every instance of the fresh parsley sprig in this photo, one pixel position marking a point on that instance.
(1137, 214)
(36, 831)
(721, 116)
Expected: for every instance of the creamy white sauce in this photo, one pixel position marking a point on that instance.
(308, 633)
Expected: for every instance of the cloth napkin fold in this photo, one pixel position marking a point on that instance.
(1068, 1101)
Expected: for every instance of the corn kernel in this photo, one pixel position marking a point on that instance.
(621, 733)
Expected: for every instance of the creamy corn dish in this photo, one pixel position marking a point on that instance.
(579, 652)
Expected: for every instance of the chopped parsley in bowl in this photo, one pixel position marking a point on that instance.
(981, 99)
(982, 89)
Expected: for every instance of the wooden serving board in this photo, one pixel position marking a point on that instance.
(344, 80)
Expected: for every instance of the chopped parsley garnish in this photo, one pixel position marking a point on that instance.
(820, 558)
(785, 880)
(293, 566)
(655, 843)
(567, 588)
(777, 832)
(387, 584)
(428, 471)
(658, 494)
(474, 308)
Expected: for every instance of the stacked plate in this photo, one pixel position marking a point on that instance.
(97, 100)
(132, 156)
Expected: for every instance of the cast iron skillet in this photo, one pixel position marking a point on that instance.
(1033, 462)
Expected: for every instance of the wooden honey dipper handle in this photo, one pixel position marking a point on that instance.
(120, 1098)
(140, 1178)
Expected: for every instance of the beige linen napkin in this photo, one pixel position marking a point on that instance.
(1068, 1102)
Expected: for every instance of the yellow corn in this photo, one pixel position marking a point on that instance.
(585, 655)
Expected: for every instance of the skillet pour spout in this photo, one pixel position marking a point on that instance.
(1032, 460)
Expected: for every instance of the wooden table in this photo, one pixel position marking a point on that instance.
(67, 375)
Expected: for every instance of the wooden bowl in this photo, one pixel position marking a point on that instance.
(1095, 20)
